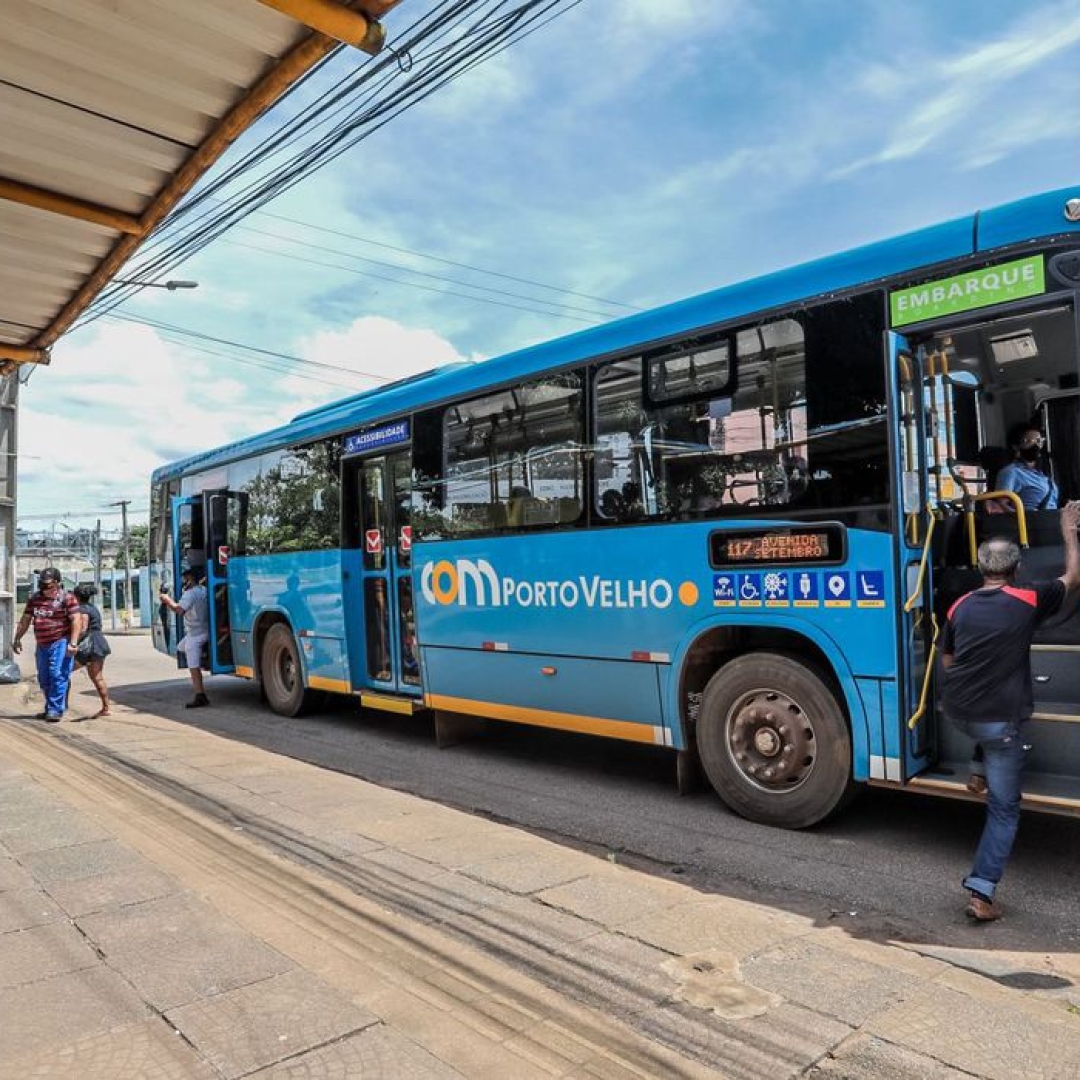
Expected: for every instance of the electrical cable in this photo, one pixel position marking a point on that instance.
(486, 36)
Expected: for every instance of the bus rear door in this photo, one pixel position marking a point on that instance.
(390, 655)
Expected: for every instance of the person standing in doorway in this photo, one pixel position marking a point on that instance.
(195, 608)
(54, 613)
(986, 653)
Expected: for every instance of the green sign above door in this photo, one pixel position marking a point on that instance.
(966, 292)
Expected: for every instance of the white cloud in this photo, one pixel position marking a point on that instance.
(118, 401)
(378, 349)
(939, 100)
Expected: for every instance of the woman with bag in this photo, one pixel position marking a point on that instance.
(93, 646)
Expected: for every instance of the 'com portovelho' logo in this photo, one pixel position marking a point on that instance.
(475, 583)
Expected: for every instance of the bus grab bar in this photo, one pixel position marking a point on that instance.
(931, 655)
(1021, 519)
(910, 602)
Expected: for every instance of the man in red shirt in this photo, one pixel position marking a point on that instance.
(57, 622)
(987, 657)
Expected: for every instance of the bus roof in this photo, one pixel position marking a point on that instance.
(1036, 217)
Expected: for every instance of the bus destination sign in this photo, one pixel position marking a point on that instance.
(376, 438)
(742, 547)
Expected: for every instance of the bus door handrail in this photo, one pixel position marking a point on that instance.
(931, 656)
(909, 606)
(986, 496)
(910, 602)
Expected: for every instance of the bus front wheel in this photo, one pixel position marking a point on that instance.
(774, 742)
(281, 673)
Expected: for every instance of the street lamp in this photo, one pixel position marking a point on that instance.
(171, 285)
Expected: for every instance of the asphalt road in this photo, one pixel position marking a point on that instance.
(888, 868)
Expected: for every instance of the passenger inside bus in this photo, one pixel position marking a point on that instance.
(1026, 474)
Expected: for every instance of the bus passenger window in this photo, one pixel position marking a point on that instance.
(513, 460)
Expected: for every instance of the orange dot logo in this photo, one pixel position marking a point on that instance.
(688, 593)
(445, 592)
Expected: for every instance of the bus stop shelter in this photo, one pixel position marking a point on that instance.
(111, 111)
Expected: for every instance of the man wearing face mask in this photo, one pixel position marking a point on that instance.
(1024, 474)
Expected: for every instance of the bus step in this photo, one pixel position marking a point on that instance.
(1048, 792)
(1060, 712)
(391, 703)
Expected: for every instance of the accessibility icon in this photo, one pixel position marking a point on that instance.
(723, 590)
(838, 589)
(749, 590)
(806, 587)
(870, 589)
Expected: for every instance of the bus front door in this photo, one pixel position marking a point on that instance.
(391, 658)
(207, 529)
(914, 729)
(225, 518)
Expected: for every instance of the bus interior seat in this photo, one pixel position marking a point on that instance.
(499, 515)
(515, 511)
(569, 509)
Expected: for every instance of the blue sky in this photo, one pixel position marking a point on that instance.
(632, 151)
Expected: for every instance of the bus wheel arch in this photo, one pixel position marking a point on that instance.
(771, 727)
(280, 668)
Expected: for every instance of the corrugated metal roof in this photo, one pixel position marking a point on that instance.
(108, 108)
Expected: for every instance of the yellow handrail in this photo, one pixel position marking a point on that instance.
(917, 715)
(909, 604)
(913, 598)
(1018, 507)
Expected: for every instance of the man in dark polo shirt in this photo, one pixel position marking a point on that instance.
(986, 653)
(57, 622)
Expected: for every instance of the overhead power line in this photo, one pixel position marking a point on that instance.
(442, 45)
(436, 258)
(199, 336)
(413, 284)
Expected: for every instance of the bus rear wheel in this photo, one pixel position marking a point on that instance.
(281, 673)
(774, 742)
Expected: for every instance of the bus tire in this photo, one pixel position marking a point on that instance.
(282, 675)
(774, 742)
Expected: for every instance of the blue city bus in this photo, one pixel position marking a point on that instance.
(730, 526)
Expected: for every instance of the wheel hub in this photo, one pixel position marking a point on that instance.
(771, 740)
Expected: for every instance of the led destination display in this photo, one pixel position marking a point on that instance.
(743, 547)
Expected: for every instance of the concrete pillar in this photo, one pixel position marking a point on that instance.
(9, 407)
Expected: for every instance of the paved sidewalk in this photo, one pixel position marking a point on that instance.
(175, 904)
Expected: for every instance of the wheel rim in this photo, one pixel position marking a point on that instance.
(286, 671)
(771, 740)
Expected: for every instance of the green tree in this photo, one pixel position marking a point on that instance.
(139, 541)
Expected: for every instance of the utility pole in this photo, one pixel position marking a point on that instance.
(97, 558)
(123, 504)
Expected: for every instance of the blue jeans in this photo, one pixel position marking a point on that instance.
(54, 674)
(1004, 756)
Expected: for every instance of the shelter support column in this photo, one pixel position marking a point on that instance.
(9, 408)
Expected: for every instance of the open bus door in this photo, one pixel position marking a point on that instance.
(390, 661)
(1021, 367)
(225, 519)
(918, 626)
(207, 528)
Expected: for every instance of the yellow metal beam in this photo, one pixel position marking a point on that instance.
(21, 354)
(261, 96)
(55, 203)
(335, 20)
